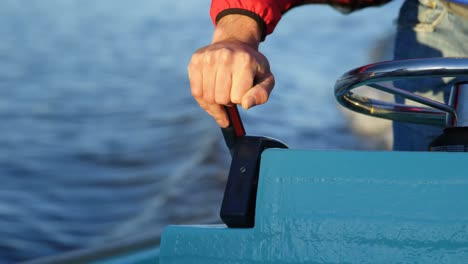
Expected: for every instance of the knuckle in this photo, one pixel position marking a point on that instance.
(203, 105)
(225, 55)
(222, 100)
(208, 58)
(191, 67)
(192, 73)
(212, 112)
(209, 98)
(246, 59)
(194, 60)
(236, 99)
(262, 96)
(196, 92)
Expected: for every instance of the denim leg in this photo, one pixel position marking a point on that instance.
(426, 29)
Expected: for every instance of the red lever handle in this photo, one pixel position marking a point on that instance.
(235, 128)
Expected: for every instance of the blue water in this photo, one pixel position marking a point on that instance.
(100, 140)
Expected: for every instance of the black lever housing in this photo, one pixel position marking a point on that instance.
(238, 207)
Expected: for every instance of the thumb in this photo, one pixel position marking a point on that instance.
(259, 93)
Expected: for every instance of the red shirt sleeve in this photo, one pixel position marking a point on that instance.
(266, 12)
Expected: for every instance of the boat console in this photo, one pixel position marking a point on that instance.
(347, 206)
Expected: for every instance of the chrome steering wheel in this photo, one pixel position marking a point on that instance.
(374, 75)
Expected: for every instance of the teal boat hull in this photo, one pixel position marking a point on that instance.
(342, 207)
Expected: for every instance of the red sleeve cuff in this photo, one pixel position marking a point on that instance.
(267, 13)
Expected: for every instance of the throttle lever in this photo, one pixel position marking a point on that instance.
(238, 207)
(234, 130)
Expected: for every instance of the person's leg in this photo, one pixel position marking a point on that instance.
(426, 29)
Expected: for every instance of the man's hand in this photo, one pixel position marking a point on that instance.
(231, 70)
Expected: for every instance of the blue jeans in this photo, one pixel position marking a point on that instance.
(426, 28)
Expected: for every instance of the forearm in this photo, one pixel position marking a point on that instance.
(238, 28)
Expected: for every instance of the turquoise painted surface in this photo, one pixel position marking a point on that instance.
(342, 207)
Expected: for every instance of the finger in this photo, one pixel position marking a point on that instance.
(242, 81)
(260, 93)
(196, 80)
(216, 111)
(209, 80)
(223, 87)
(219, 114)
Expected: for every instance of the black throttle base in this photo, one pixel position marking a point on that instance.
(238, 208)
